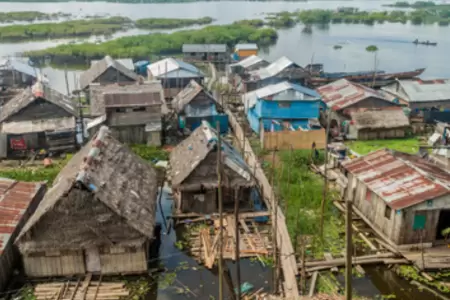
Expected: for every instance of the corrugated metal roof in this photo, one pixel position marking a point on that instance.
(273, 69)
(343, 93)
(96, 122)
(204, 48)
(22, 67)
(15, 197)
(401, 180)
(249, 61)
(168, 65)
(126, 62)
(283, 91)
(246, 47)
(420, 90)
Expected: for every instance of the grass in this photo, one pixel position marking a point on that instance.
(408, 145)
(300, 192)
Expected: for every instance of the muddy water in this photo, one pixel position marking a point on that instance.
(185, 278)
(380, 281)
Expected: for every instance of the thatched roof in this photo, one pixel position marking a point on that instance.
(187, 95)
(377, 119)
(129, 95)
(29, 95)
(100, 67)
(104, 172)
(190, 153)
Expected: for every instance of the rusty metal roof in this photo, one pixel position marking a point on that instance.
(15, 197)
(400, 180)
(343, 93)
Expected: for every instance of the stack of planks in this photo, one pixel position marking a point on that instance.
(252, 241)
(81, 290)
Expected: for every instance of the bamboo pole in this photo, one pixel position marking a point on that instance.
(325, 172)
(237, 252)
(274, 229)
(348, 251)
(219, 196)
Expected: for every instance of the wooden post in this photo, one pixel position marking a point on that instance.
(325, 187)
(348, 251)
(303, 275)
(219, 196)
(66, 79)
(274, 227)
(237, 249)
(289, 182)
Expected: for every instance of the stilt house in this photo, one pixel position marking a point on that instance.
(38, 118)
(403, 196)
(194, 178)
(194, 104)
(133, 112)
(98, 217)
(18, 201)
(107, 70)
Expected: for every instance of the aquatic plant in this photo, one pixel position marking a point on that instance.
(168, 23)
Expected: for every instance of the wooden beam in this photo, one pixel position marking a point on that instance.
(313, 284)
(76, 289)
(98, 287)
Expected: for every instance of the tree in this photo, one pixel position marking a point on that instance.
(373, 49)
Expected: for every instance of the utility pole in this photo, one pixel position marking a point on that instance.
(219, 196)
(325, 187)
(348, 249)
(237, 249)
(67, 80)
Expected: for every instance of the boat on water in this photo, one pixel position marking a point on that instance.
(426, 43)
(381, 78)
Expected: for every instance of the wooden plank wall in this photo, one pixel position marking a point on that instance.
(44, 266)
(283, 140)
(126, 262)
(286, 250)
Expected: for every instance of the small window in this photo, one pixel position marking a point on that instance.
(121, 110)
(139, 109)
(429, 203)
(284, 105)
(387, 212)
(192, 53)
(368, 196)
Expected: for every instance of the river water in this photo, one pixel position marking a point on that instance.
(396, 53)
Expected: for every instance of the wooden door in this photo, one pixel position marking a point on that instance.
(92, 257)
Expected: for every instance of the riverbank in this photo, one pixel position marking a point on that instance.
(166, 23)
(30, 16)
(94, 26)
(75, 28)
(143, 46)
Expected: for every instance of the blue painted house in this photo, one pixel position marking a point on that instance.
(174, 75)
(194, 104)
(283, 106)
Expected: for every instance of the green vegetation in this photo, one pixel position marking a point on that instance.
(251, 22)
(417, 4)
(282, 19)
(29, 16)
(150, 153)
(408, 145)
(410, 273)
(63, 29)
(354, 16)
(166, 23)
(142, 46)
(300, 193)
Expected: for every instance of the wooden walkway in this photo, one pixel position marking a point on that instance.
(81, 290)
(285, 248)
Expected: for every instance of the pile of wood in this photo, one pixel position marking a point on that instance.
(252, 241)
(81, 290)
